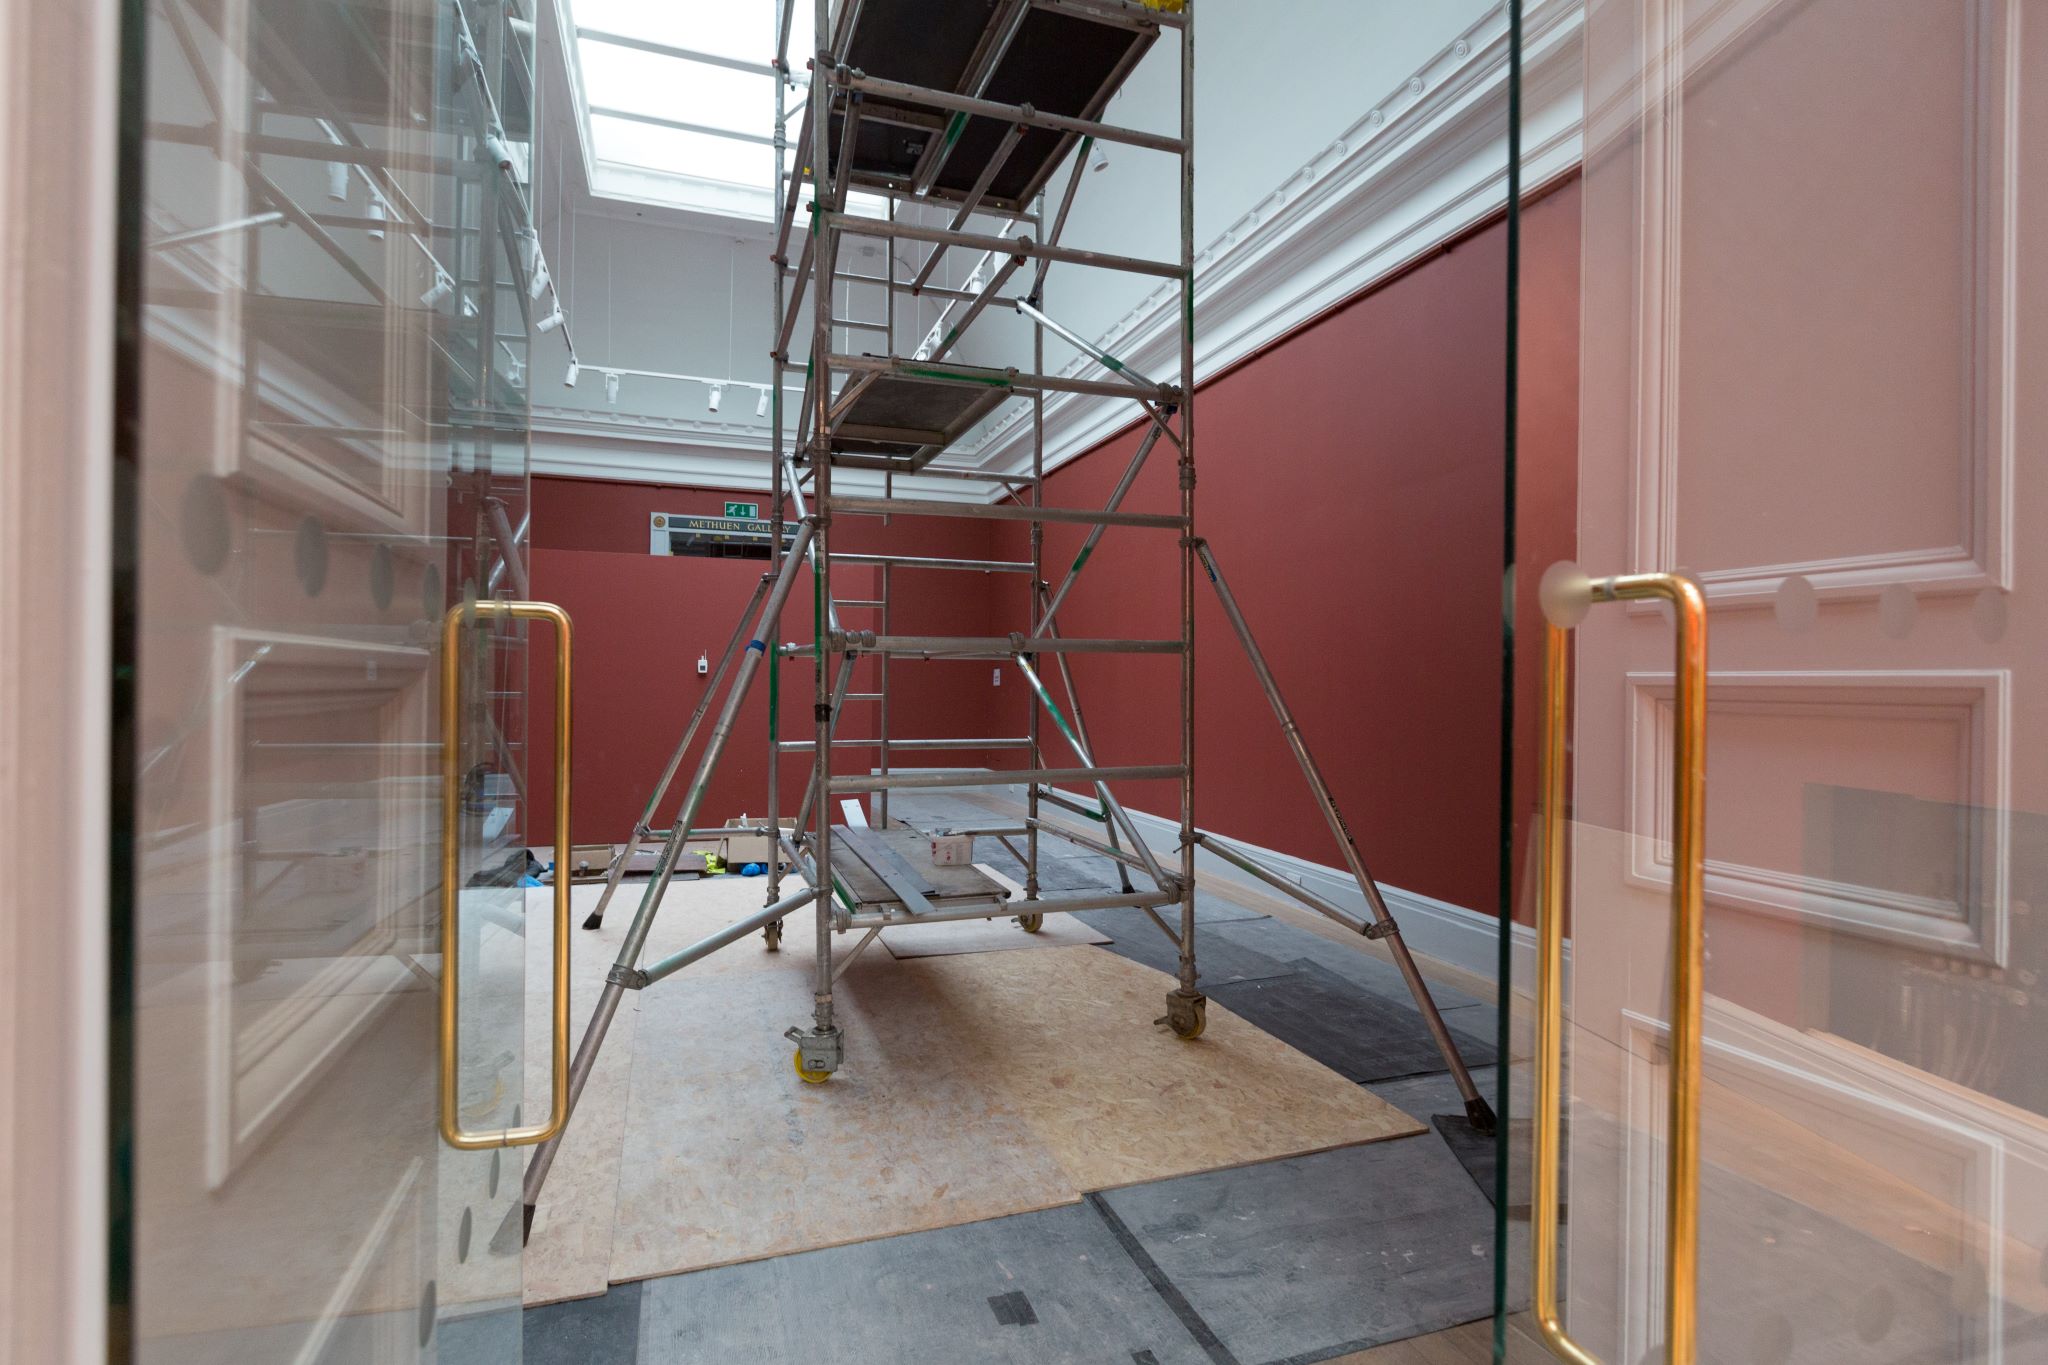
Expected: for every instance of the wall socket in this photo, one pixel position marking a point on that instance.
(999, 678)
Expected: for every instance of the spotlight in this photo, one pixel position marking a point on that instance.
(611, 387)
(551, 321)
(376, 211)
(540, 278)
(498, 151)
(337, 181)
(574, 371)
(717, 394)
(1099, 159)
(443, 286)
(761, 404)
(468, 306)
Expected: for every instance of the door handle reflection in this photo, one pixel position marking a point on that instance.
(452, 1131)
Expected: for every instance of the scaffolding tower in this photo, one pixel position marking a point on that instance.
(972, 110)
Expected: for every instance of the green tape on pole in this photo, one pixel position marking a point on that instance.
(926, 372)
(774, 694)
(1082, 558)
(954, 129)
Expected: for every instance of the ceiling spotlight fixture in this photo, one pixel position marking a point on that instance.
(541, 281)
(717, 396)
(611, 387)
(1099, 159)
(337, 181)
(761, 404)
(551, 321)
(443, 286)
(570, 378)
(376, 212)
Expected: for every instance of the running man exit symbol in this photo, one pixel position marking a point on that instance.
(744, 509)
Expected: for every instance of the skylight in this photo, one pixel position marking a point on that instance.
(678, 99)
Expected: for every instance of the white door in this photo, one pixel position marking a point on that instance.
(330, 438)
(1812, 379)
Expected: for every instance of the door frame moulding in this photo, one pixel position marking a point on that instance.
(58, 175)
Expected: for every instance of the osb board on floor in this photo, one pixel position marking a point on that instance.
(976, 1085)
(1003, 934)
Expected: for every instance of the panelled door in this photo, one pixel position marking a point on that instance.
(331, 335)
(1814, 344)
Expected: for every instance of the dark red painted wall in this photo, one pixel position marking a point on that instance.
(1351, 483)
(642, 621)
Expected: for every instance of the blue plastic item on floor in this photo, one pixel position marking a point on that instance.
(754, 870)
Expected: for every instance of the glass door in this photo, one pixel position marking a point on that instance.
(1808, 429)
(332, 330)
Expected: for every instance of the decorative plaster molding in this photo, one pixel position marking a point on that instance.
(1971, 925)
(1424, 165)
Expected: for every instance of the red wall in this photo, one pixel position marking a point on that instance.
(1351, 484)
(642, 620)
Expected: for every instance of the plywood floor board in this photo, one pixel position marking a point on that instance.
(975, 1085)
(729, 1156)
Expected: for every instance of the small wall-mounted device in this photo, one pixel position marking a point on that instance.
(999, 677)
(703, 664)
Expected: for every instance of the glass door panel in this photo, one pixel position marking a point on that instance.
(332, 330)
(1806, 336)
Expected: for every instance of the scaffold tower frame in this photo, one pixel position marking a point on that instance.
(972, 146)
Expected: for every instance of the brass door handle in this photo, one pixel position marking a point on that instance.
(1567, 595)
(452, 1131)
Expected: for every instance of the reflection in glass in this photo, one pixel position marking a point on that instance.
(336, 239)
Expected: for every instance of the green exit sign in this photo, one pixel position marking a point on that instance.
(744, 509)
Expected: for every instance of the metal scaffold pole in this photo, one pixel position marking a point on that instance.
(1186, 1007)
(819, 1050)
(778, 362)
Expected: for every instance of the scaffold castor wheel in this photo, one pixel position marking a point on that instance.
(1031, 924)
(1187, 1014)
(810, 1076)
(771, 936)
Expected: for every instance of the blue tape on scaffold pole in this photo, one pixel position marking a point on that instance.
(756, 644)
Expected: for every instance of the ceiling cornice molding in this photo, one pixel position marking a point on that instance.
(581, 451)
(1422, 167)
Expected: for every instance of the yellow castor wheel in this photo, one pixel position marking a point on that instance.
(1031, 924)
(1187, 1015)
(813, 1077)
